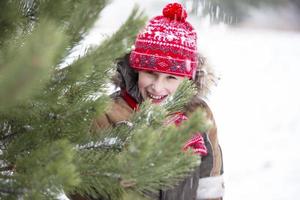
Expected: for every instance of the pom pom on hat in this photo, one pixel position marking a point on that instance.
(175, 11)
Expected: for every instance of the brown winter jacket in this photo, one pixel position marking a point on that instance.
(206, 181)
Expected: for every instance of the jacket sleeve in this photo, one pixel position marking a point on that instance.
(211, 183)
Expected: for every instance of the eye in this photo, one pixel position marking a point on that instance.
(172, 77)
(149, 72)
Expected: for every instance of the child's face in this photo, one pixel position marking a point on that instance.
(157, 86)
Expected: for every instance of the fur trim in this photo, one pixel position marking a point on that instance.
(205, 77)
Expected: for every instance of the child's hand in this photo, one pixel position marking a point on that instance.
(197, 143)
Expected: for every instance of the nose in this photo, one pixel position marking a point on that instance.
(157, 86)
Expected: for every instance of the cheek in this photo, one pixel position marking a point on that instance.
(172, 86)
(143, 82)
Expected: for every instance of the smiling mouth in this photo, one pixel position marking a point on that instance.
(156, 98)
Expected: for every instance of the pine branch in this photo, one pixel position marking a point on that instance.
(154, 153)
(77, 17)
(80, 83)
(19, 77)
(182, 96)
(151, 157)
(49, 174)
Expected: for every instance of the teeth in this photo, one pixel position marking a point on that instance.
(156, 97)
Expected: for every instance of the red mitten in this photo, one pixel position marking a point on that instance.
(197, 143)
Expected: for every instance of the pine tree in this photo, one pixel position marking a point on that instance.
(46, 110)
(232, 11)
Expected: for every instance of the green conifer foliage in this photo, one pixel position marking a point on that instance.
(45, 110)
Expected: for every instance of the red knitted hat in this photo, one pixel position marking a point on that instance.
(168, 44)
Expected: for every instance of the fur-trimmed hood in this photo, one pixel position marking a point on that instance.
(127, 78)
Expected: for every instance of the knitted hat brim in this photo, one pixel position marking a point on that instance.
(162, 64)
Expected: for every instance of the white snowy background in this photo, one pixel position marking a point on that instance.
(256, 103)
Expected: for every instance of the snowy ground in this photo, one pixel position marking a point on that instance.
(256, 103)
